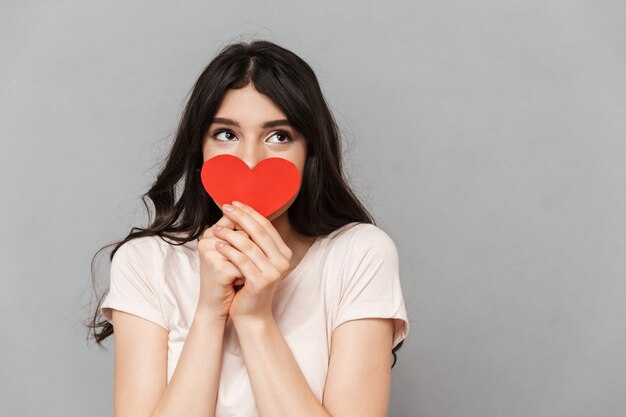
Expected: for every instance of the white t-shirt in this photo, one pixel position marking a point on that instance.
(348, 274)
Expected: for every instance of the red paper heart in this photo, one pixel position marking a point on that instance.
(266, 187)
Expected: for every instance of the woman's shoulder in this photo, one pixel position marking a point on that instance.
(358, 230)
(153, 247)
(361, 237)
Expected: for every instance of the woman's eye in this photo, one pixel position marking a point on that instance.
(228, 135)
(286, 136)
(219, 132)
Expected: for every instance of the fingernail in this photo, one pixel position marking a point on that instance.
(217, 227)
(228, 207)
(237, 203)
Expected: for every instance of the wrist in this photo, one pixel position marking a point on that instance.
(255, 323)
(207, 315)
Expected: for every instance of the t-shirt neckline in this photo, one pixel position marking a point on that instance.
(305, 259)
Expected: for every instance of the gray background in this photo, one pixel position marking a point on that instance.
(487, 137)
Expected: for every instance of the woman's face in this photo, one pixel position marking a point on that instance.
(237, 129)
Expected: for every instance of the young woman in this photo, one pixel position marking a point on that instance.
(297, 314)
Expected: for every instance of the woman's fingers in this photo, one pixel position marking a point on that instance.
(263, 233)
(268, 226)
(245, 253)
(224, 221)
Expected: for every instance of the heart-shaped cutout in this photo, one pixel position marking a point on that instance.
(266, 187)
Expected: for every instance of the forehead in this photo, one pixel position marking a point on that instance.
(248, 103)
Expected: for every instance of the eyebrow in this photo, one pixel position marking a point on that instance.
(268, 124)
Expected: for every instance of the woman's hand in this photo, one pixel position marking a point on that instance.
(261, 256)
(217, 274)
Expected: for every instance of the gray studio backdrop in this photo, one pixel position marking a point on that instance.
(487, 138)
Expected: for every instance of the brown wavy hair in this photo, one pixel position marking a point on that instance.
(183, 209)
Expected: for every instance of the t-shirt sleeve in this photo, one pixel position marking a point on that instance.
(132, 290)
(370, 284)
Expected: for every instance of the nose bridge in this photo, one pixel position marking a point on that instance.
(252, 150)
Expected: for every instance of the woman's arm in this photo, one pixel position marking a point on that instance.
(280, 388)
(359, 376)
(192, 391)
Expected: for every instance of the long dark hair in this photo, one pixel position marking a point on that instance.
(183, 209)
